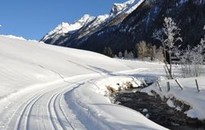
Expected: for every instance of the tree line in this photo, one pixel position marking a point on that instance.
(190, 59)
(142, 51)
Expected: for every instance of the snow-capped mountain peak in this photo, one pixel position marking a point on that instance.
(126, 7)
(62, 28)
(65, 27)
(85, 19)
(117, 7)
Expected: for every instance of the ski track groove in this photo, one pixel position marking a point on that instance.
(50, 112)
(55, 101)
(56, 113)
(12, 116)
(29, 113)
(61, 109)
(26, 114)
(29, 100)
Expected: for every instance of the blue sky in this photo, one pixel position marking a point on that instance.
(32, 19)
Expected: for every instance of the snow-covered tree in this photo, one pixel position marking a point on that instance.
(159, 54)
(130, 55)
(120, 54)
(169, 35)
(153, 50)
(192, 59)
(185, 61)
(141, 48)
(125, 54)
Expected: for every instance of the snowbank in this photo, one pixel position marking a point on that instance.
(115, 82)
(96, 111)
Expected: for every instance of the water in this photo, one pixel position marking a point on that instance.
(158, 111)
(186, 128)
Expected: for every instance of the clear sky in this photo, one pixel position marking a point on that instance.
(32, 19)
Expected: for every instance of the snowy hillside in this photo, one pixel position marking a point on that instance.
(28, 63)
(48, 87)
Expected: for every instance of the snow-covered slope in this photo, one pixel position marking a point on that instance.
(48, 87)
(26, 63)
(14, 37)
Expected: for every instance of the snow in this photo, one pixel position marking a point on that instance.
(115, 82)
(48, 87)
(97, 108)
(65, 27)
(13, 37)
(126, 7)
(35, 67)
(170, 103)
(97, 22)
(101, 18)
(136, 4)
(145, 110)
(189, 95)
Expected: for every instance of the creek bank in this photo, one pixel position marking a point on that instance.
(157, 110)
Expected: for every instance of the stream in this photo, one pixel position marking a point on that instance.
(157, 110)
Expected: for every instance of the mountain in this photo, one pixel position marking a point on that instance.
(66, 28)
(134, 21)
(73, 35)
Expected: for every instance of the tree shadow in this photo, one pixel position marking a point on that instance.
(101, 70)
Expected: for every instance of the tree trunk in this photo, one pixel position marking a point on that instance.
(170, 65)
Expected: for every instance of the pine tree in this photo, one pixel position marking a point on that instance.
(108, 51)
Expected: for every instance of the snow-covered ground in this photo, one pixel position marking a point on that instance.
(49, 87)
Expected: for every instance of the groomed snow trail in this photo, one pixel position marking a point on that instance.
(44, 109)
(63, 105)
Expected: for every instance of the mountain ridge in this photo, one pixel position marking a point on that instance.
(94, 24)
(125, 30)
